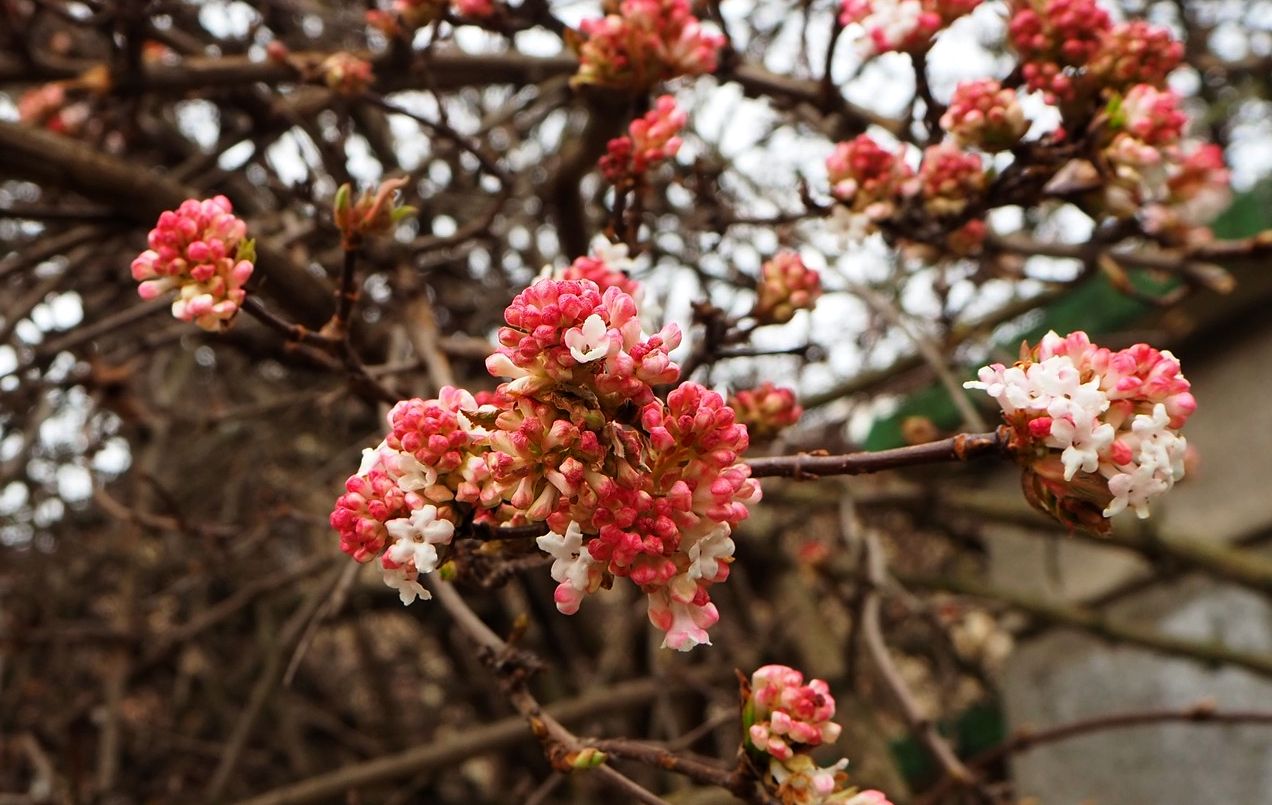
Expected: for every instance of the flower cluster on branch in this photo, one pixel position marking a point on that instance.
(640, 43)
(200, 250)
(626, 484)
(1097, 431)
(784, 719)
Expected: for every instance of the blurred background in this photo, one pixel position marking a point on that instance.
(176, 621)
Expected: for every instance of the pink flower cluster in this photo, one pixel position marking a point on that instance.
(627, 484)
(1147, 125)
(867, 177)
(786, 286)
(647, 42)
(784, 720)
(200, 250)
(1070, 47)
(983, 114)
(650, 140)
(949, 179)
(902, 25)
(766, 410)
(1097, 430)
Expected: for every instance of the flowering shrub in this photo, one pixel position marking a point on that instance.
(607, 265)
(1097, 431)
(650, 140)
(786, 286)
(646, 42)
(766, 409)
(200, 250)
(652, 496)
(784, 719)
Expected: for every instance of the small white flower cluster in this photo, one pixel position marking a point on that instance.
(414, 551)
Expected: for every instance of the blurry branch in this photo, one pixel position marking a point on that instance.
(805, 466)
(1243, 567)
(141, 195)
(1026, 739)
(927, 348)
(877, 650)
(1213, 654)
(562, 748)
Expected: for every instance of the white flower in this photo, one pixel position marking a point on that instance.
(412, 475)
(370, 456)
(408, 588)
(707, 553)
(614, 255)
(1083, 441)
(416, 537)
(1134, 489)
(590, 342)
(571, 560)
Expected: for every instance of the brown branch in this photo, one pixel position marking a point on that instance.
(1026, 739)
(962, 447)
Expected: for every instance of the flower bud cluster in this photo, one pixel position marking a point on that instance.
(1146, 126)
(902, 25)
(949, 178)
(201, 251)
(650, 140)
(983, 114)
(786, 285)
(1072, 47)
(784, 719)
(627, 485)
(646, 42)
(867, 178)
(1098, 431)
(766, 410)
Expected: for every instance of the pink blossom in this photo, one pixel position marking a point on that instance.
(902, 25)
(1152, 116)
(647, 42)
(766, 409)
(787, 715)
(1055, 38)
(201, 251)
(347, 74)
(1135, 52)
(866, 177)
(650, 140)
(786, 285)
(949, 179)
(983, 114)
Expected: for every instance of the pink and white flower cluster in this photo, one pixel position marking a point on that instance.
(766, 410)
(902, 25)
(650, 140)
(786, 286)
(626, 484)
(868, 179)
(646, 42)
(1098, 431)
(607, 265)
(347, 74)
(201, 251)
(785, 719)
(1144, 152)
